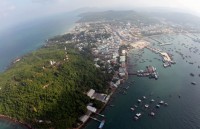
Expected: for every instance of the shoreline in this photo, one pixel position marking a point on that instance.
(44, 43)
(113, 90)
(7, 118)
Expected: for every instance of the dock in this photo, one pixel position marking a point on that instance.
(95, 119)
(165, 56)
(163, 44)
(100, 114)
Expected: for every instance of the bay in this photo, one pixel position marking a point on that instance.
(173, 86)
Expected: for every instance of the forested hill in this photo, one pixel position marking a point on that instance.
(34, 89)
(130, 16)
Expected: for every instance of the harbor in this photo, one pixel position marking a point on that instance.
(168, 100)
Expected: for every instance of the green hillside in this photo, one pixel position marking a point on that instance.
(33, 89)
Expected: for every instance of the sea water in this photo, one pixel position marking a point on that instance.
(23, 38)
(173, 86)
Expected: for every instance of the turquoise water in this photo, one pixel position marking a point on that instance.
(175, 81)
(5, 124)
(19, 40)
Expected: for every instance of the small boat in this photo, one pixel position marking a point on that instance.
(166, 104)
(112, 105)
(152, 114)
(136, 118)
(144, 97)
(146, 105)
(191, 74)
(138, 114)
(132, 109)
(135, 106)
(139, 101)
(157, 106)
(193, 83)
(152, 100)
(161, 102)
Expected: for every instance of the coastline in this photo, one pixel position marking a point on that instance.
(15, 121)
(18, 59)
(113, 90)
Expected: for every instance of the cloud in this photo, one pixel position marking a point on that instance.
(6, 8)
(44, 1)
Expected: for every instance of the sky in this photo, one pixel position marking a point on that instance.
(14, 11)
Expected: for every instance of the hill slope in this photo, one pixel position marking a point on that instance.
(33, 89)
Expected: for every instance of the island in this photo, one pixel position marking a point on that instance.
(74, 75)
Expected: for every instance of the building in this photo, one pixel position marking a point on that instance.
(122, 58)
(90, 93)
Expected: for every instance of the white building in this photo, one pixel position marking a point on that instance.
(90, 93)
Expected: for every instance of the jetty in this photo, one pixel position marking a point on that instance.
(150, 72)
(163, 44)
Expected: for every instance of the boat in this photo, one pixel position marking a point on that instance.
(166, 104)
(132, 109)
(161, 102)
(152, 100)
(152, 114)
(191, 74)
(146, 105)
(136, 118)
(112, 105)
(139, 101)
(193, 83)
(144, 97)
(101, 124)
(157, 106)
(138, 115)
(135, 106)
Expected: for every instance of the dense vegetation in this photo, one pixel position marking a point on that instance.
(45, 95)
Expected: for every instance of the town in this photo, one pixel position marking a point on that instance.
(110, 43)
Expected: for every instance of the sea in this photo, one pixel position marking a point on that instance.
(20, 39)
(23, 38)
(173, 87)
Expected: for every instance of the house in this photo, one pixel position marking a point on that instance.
(122, 58)
(92, 109)
(123, 52)
(90, 93)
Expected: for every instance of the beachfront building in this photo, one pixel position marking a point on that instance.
(86, 116)
(98, 96)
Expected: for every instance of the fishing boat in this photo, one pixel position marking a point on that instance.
(139, 101)
(152, 100)
(161, 102)
(138, 115)
(132, 109)
(157, 106)
(193, 83)
(152, 114)
(146, 105)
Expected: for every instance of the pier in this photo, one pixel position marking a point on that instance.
(165, 56)
(163, 44)
(150, 72)
(95, 119)
(99, 114)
